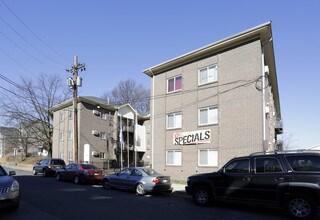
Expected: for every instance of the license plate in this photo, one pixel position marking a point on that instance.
(96, 174)
(164, 181)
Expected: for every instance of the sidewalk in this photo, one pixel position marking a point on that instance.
(177, 188)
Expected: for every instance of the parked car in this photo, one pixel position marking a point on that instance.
(142, 180)
(285, 179)
(9, 191)
(48, 166)
(80, 173)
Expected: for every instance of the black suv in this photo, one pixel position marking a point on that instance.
(48, 166)
(287, 179)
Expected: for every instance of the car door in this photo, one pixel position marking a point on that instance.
(234, 180)
(66, 174)
(134, 178)
(122, 178)
(267, 176)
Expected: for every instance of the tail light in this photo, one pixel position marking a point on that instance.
(156, 180)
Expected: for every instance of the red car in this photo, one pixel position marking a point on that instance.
(80, 173)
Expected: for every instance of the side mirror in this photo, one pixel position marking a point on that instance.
(12, 173)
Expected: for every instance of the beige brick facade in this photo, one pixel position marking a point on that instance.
(247, 108)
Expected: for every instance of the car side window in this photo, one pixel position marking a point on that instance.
(306, 163)
(125, 172)
(267, 165)
(136, 172)
(238, 166)
(69, 167)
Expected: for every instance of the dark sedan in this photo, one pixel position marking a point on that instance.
(142, 180)
(9, 190)
(80, 173)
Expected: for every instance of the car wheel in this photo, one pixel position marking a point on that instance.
(34, 171)
(140, 189)
(76, 180)
(44, 173)
(58, 177)
(301, 206)
(106, 184)
(202, 196)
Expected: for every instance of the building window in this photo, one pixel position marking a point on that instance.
(208, 115)
(70, 156)
(208, 157)
(102, 155)
(104, 115)
(103, 135)
(174, 84)
(70, 135)
(61, 136)
(70, 113)
(174, 120)
(62, 115)
(208, 75)
(174, 157)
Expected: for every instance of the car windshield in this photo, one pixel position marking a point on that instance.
(2, 172)
(88, 167)
(150, 171)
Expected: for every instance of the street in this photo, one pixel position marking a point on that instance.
(46, 198)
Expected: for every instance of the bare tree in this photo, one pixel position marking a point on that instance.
(128, 91)
(28, 107)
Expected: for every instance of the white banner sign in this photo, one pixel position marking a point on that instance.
(191, 137)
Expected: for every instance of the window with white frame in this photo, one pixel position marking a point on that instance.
(174, 120)
(102, 155)
(174, 84)
(208, 115)
(61, 136)
(208, 75)
(207, 157)
(104, 115)
(70, 113)
(103, 135)
(70, 135)
(70, 156)
(174, 157)
(62, 115)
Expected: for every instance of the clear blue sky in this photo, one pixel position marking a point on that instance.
(118, 39)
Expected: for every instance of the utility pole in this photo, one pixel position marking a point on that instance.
(73, 84)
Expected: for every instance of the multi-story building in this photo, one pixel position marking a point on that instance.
(105, 133)
(215, 103)
(9, 138)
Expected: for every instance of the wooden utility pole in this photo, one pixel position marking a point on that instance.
(74, 84)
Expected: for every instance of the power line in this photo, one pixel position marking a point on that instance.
(30, 44)
(37, 36)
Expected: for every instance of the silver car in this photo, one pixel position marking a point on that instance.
(142, 180)
(9, 190)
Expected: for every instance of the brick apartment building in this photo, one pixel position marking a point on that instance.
(99, 128)
(215, 103)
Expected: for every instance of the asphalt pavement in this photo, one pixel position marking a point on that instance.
(177, 187)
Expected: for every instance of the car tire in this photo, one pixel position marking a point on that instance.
(300, 206)
(34, 172)
(106, 184)
(58, 177)
(76, 180)
(202, 196)
(140, 189)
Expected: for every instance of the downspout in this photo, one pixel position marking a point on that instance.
(265, 141)
(152, 120)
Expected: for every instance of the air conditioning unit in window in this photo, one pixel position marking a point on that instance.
(95, 133)
(96, 112)
(95, 153)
